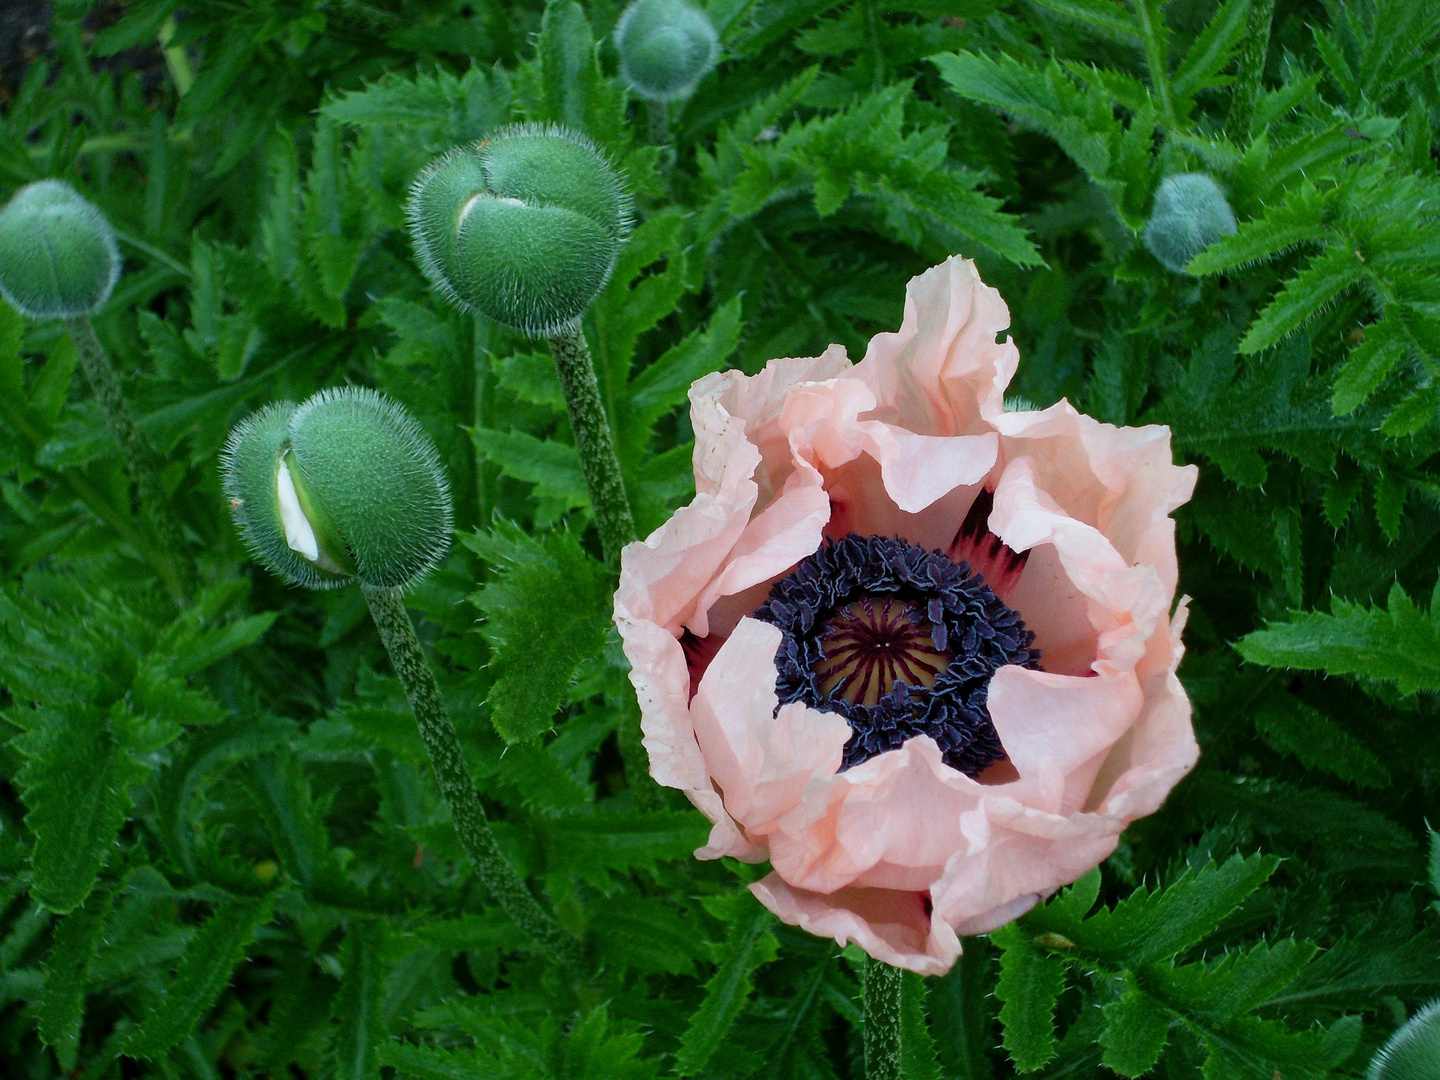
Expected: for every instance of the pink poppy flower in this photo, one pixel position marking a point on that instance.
(915, 650)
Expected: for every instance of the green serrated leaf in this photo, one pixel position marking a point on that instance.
(1318, 742)
(1230, 409)
(1029, 984)
(1391, 491)
(201, 975)
(287, 808)
(531, 377)
(1299, 219)
(546, 614)
(917, 1048)
(1236, 983)
(1150, 926)
(1414, 414)
(751, 945)
(1109, 20)
(553, 467)
(75, 783)
(593, 1051)
(567, 63)
(1399, 645)
(1212, 49)
(1136, 1030)
(1325, 278)
(1341, 491)
(62, 1007)
(1369, 363)
(664, 384)
(360, 1030)
(589, 842)
(1075, 902)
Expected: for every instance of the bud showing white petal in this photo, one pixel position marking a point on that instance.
(299, 533)
(345, 486)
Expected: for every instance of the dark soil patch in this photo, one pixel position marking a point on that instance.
(24, 26)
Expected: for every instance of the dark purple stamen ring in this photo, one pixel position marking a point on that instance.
(861, 579)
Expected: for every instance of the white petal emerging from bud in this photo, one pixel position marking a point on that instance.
(299, 533)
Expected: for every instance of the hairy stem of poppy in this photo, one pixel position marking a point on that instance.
(457, 785)
(882, 1021)
(598, 459)
(1251, 68)
(141, 461)
(659, 113)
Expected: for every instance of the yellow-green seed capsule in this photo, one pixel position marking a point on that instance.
(1190, 214)
(1413, 1052)
(523, 227)
(58, 257)
(343, 487)
(665, 47)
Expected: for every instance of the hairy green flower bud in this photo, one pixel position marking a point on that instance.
(1190, 214)
(1413, 1052)
(344, 486)
(522, 227)
(58, 257)
(666, 47)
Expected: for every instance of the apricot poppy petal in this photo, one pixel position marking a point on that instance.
(920, 469)
(889, 822)
(1125, 602)
(1017, 852)
(890, 926)
(761, 758)
(943, 371)
(661, 577)
(1064, 720)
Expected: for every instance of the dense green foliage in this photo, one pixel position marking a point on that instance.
(221, 849)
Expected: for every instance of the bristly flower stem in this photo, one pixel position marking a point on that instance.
(457, 785)
(882, 1021)
(141, 461)
(598, 459)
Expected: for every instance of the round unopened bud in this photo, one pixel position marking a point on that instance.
(665, 47)
(1190, 214)
(523, 227)
(58, 257)
(344, 486)
(1413, 1052)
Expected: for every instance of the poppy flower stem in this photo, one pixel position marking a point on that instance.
(659, 117)
(598, 459)
(457, 785)
(141, 461)
(882, 1021)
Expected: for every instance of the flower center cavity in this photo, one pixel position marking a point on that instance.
(901, 642)
(874, 643)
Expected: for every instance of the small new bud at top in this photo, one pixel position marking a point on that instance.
(58, 257)
(665, 47)
(345, 486)
(1190, 214)
(523, 227)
